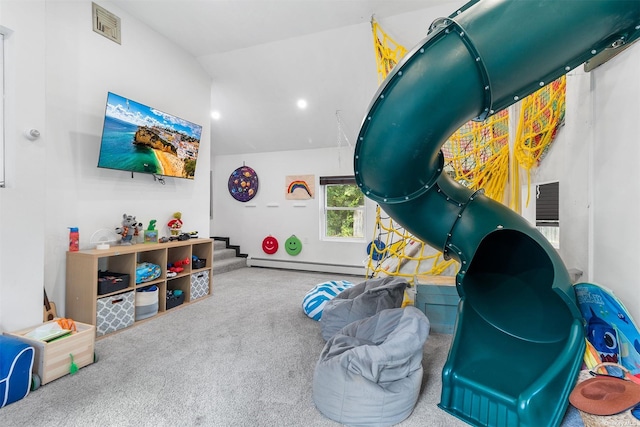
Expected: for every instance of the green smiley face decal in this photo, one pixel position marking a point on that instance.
(293, 245)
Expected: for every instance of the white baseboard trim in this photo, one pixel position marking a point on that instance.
(356, 270)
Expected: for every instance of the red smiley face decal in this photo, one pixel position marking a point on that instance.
(270, 245)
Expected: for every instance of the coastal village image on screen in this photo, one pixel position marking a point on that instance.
(139, 138)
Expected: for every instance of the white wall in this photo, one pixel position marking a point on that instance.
(616, 177)
(341, 64)
(22, 203)
(568, 163)
(248, 223)
(62, 71)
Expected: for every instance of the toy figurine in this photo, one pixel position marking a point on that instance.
(151, 234)
(175, 224)
(130, 228)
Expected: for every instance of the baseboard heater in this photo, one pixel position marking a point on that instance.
(356, 270)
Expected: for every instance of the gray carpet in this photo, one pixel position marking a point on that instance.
(243, 357)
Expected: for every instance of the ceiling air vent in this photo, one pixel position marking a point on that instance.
(106, 23)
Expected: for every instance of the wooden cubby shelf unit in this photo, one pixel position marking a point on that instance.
(82, 298)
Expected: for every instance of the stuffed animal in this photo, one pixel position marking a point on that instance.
(130, 228)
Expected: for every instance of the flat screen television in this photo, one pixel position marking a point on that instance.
(138, 138)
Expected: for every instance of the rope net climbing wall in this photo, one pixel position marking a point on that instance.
(477, 155)
(396, 252)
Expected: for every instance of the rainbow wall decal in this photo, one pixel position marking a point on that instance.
(299, 184)
(300, 187)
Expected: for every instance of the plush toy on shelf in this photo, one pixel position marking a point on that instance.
(130, 228)
(175, 224)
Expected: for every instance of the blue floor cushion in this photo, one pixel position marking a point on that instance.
(314, 301)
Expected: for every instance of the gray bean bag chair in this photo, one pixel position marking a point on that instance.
(370, 372)
(363, 300)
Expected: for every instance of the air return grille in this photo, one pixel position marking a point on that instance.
(106, 23)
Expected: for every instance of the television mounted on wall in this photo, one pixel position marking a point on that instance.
(139, 138)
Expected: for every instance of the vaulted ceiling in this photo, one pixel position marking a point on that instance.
(205, 27)
(265, 55)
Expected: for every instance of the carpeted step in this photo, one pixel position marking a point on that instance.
(229, 264)
(226, 257)
(221, 254)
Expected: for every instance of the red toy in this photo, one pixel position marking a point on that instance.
(182, 263)
(178, 266)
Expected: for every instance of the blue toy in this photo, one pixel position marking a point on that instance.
(146, 271)
(609, 327)
(16, 363)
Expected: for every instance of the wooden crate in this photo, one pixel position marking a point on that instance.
(52, 359)
(427, 279)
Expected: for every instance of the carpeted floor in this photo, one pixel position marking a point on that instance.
(243, 357)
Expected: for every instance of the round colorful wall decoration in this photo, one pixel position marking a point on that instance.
(270, 245)
(243, 184)
(293, 245)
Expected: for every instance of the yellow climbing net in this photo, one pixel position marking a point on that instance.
(396, 252)
(541, 115)
(477, 156)
(388, 51)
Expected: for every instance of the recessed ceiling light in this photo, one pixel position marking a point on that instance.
(215, 115)
(302, 104)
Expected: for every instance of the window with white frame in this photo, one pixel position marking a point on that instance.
(343, 214)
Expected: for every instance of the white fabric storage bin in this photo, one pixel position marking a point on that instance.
(146, 302)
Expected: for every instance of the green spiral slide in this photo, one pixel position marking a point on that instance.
(518, 340)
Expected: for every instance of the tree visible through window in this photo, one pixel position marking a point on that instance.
(344, 208)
